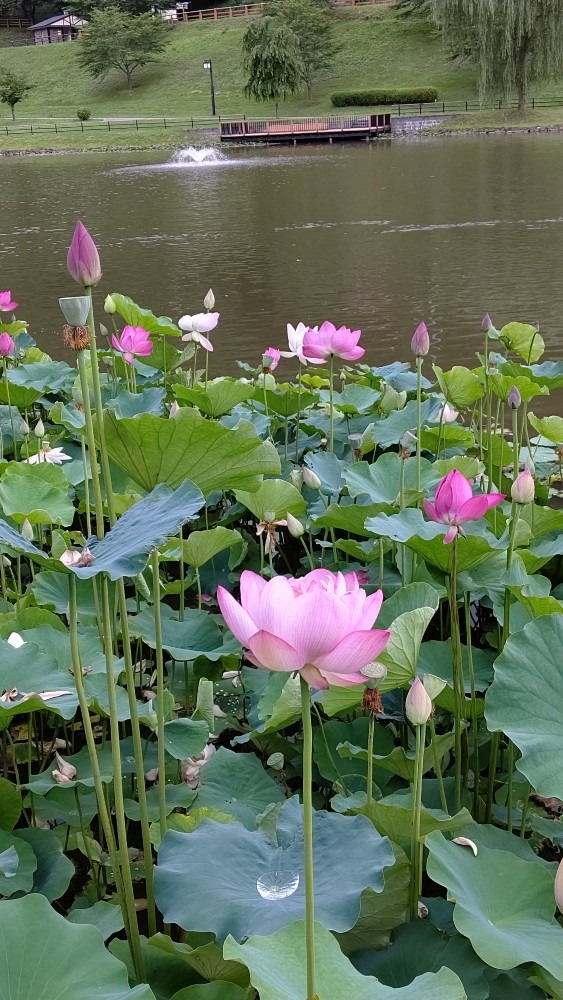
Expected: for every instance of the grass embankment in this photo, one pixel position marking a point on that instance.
(377, 49)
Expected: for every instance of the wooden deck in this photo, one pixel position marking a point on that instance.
(306, 129)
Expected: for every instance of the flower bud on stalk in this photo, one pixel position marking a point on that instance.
(39, 429)
(514, 398)
(83, 259)
(27, 530)
(311, 479)
(420, 343)
(209, 300)
(523, 488)
(294, 526)
(418, 707)
(110, 307)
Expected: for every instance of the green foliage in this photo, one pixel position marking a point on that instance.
(83, 114)
(514, 45)
(380, 97)
(271, 60)
(114, 39)
(14, 86)
(314, 29)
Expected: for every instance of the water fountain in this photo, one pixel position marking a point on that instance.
(189, 155)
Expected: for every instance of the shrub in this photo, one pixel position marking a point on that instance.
(83, 114)
(369, 98)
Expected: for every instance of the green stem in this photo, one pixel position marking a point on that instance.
(85, 389)
(525, 807)
(438, 766)
(122, 846)
(510, 768)
(86, 489)
(474, 717)
(139, 758)
(371, 735)
(418, 418)
(298, 414)
(457, 666)
(308, 835)
(331, 397)
(159, 692)
(493, 756)
(416, 867)
(7, 384)
(104, 457)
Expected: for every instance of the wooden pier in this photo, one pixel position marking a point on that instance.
(319, 129)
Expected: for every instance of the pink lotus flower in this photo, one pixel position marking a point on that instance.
(6, 304)
(275, 355)
(295, 335)
(83, 259)
(7, 346)
(454, 503)
(319, 625)
(133, 341)
(328, 342)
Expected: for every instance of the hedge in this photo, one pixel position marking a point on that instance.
(370, 98)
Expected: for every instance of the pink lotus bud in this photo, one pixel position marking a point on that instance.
(420, 342)
(418, 707)
(558, 887)
(6, 303)
(209, 300)
(311, 479)
(514, 397)
(294, 526)
(487, 323)
(7, 346)
(523, 488)
(83, 259)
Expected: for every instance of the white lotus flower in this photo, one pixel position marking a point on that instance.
(200, 323)
(448, 414)
(55, 456)
(295, 335)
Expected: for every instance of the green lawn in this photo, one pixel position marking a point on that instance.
(378, 49)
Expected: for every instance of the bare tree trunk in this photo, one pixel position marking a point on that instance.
(12, 106)
(521, 75)
(129, 80)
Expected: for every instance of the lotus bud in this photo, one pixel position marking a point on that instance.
(294, 526)
(514, 398)
(487, 322)
(39, 429)
(296, 477)
(418, 707)
(523, 488)
(174, 409)
(420, 343)
(24, 428)
(110, 307)
(83, 259)
(7, 346)
(311, 479)
(64, 772)
(558, 887)
(27, 530)
(209, 300)
(433, 685)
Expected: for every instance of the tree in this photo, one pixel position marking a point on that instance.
(13, 88)
(515, 44)
(313, 26)
(116, 40)
(85, 8)
(271, 60)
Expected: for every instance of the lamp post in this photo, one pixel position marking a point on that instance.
(209, 65)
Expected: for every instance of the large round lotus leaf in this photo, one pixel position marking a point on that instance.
(54, 870)
(277, 966)
(525, 698)
(44, 957)
(504, 902)
(238, 785)
(229, 880)
(35, 681)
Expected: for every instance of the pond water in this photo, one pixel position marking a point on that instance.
(374, 236)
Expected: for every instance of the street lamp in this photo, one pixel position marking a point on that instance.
(209, 65)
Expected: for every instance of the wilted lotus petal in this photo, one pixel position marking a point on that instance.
(466, 842)
(72, 557)
(64, 772)
(16, 640)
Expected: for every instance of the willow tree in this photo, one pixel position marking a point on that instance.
(516, 43)
(271, 60)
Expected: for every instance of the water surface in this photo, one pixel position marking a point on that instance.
(375, 236)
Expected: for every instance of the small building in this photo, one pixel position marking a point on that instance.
(63, 27)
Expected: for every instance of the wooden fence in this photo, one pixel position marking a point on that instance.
(248, 9)
(14, 22)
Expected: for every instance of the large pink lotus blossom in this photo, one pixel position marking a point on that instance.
(454, 503)
(295, 336)
(6, 304)
(320, 625)
(328, 342)
(134, 340)
(7, 346)
(83, 259)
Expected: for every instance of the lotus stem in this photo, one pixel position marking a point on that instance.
(85, 389)
(7, 384)
(331, 398)
(159, 692)
(308, 835)
(418, 418)
(457, 669)
(298, 414)
(437, 766)
(510, 790)
(371, 735)
(104, 458)
(474, 719)
(416, 846)
(525, 807)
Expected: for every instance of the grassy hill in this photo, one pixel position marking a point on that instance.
(377, 49)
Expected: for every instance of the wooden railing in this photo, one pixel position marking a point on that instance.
(14, 22)
(248, 9)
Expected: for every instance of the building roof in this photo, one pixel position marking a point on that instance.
(59, 21)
